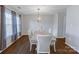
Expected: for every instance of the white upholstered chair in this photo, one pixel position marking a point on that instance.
(53, 41)
(32, 39)
(43, 43)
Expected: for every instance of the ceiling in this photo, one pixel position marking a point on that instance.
(32, 9)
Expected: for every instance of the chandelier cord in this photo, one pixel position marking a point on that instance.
(38, 12)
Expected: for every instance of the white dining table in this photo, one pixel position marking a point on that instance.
(42, 33)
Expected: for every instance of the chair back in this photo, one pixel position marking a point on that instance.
(43, 43)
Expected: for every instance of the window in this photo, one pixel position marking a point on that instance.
(18, 25)
(11, 25)
(8, 27)
(8, 22)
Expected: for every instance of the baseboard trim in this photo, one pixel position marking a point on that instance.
(60, 37)
(72, 47)
(43, 53)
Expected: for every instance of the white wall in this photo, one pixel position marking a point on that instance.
(24, 24)
(29, 23)
(61, 23)
(72, 27)
(56, 22)
(55, 25)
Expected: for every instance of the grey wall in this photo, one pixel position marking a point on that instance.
(56, 22)
(29, 23)
(55, 25)
(61, 23)
(0, 22)
(25, 25)
(0, 26)
(72, 27)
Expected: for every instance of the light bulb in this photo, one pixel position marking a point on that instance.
(39, 18)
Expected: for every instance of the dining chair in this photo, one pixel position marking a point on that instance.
(32, 40)
(43, 44)
(53, 42)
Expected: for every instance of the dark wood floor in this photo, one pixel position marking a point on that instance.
(22, 46)
(67, 50)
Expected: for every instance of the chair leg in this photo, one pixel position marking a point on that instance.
(54, 48)
(30, 47)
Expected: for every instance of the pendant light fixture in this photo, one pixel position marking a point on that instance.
(38, 16)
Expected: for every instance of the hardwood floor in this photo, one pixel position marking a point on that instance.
(66, 50)
(22, 46)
